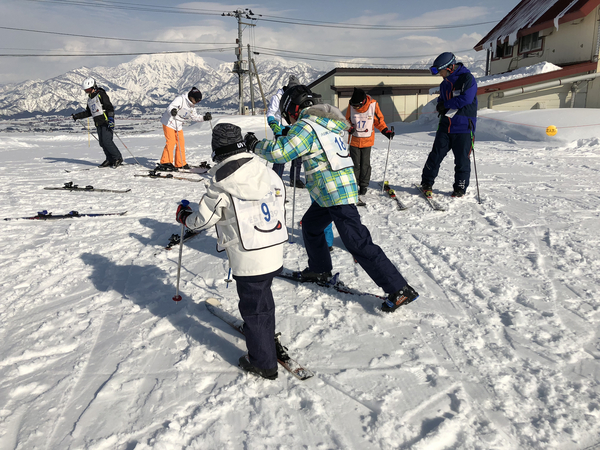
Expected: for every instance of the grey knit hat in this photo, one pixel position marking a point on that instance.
(227, 140)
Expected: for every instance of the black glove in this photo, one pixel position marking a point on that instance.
(351, 130)
(441, 109)
(183, 211)
(285, 131)
(111, 123)
(74, 118)
(207, 117)
(388, 133)
(174, 112)
(251, 141)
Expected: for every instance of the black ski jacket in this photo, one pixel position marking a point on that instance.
(109, 110)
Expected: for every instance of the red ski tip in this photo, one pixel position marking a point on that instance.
(177, 298)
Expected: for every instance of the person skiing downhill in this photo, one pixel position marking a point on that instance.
(457, 109)
(317, 134)
(246, 203)
(101, 109)
(180, 110)
(364, 116)
(274, 121)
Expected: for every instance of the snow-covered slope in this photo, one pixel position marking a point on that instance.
(500, 352)
(147, 83)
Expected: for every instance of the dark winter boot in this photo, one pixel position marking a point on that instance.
(106, 163)
(168, 167)
(362, 190)
(117, 163)
(269, 374)
(458, 192)
(403, 297)
(317, 277)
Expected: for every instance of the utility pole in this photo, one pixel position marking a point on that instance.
(239, 64)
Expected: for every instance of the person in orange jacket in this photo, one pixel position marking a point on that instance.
(364, 115)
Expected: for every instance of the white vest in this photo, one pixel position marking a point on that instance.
(95, 106)
(363, 122)
(261, 223)
(333, 145)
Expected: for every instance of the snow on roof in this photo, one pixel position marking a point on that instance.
(534, 12)
(523, 72)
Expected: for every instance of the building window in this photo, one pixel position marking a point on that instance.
(503, 51)
(530, 43)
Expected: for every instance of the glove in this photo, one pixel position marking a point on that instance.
(251, 141)
(74, 118)
(274, 124)
(441, 109)
(174, 112)
(207, 117)
(183, 211)
(351, 130)
(285, 131)
(111, 123)
(388, 133)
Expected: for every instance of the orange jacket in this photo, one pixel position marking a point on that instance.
(378, 122)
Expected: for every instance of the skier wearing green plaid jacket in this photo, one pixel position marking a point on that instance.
(317, 135)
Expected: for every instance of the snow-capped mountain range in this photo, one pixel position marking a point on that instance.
(149, 83)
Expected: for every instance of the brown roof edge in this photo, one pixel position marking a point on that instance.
(567, 71)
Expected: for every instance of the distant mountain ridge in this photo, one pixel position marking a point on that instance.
(149, 83)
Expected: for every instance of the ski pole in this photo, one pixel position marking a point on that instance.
(476, 179)
(228, 280)
(177, 297)
(386, 161)
(293, 213)
(138, 163)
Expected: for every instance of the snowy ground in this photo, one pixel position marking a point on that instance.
(501, 351)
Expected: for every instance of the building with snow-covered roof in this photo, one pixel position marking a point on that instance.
(401, 93)
(565, 33)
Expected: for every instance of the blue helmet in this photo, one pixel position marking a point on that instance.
(443, 61)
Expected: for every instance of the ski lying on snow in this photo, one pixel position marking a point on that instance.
(289, 364)
(153, 174)
(92, 168)
(73, 187)
(334, 283)
(435, 205)
(392, 194)
(45, 215)
(174, 240)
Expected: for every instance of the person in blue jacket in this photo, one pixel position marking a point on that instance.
(457, 109)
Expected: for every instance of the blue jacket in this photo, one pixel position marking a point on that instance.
(458, 92)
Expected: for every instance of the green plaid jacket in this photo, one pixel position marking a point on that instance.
(326, 187)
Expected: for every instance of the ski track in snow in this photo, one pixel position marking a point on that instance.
(501, 350)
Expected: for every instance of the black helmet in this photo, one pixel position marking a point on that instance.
(296, 98)
(195, 94)
(443, 61)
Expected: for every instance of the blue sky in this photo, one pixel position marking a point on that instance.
(378, 32)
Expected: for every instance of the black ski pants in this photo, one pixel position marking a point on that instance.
(105, 139)
(461, 145)
(361, 157)
(356, 238)
(257, 308)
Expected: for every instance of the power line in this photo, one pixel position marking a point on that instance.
(110, 38)
(263, 17)
(207, 50)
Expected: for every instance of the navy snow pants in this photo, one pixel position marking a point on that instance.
(461, 145)
(356, 238)
(258, 311)
(105, 139)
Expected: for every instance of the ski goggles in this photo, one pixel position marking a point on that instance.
(434, 70)
(88, 90)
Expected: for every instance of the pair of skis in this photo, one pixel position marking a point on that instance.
(73, 187)
(434, 204)
(289, 364)
(45, 215)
